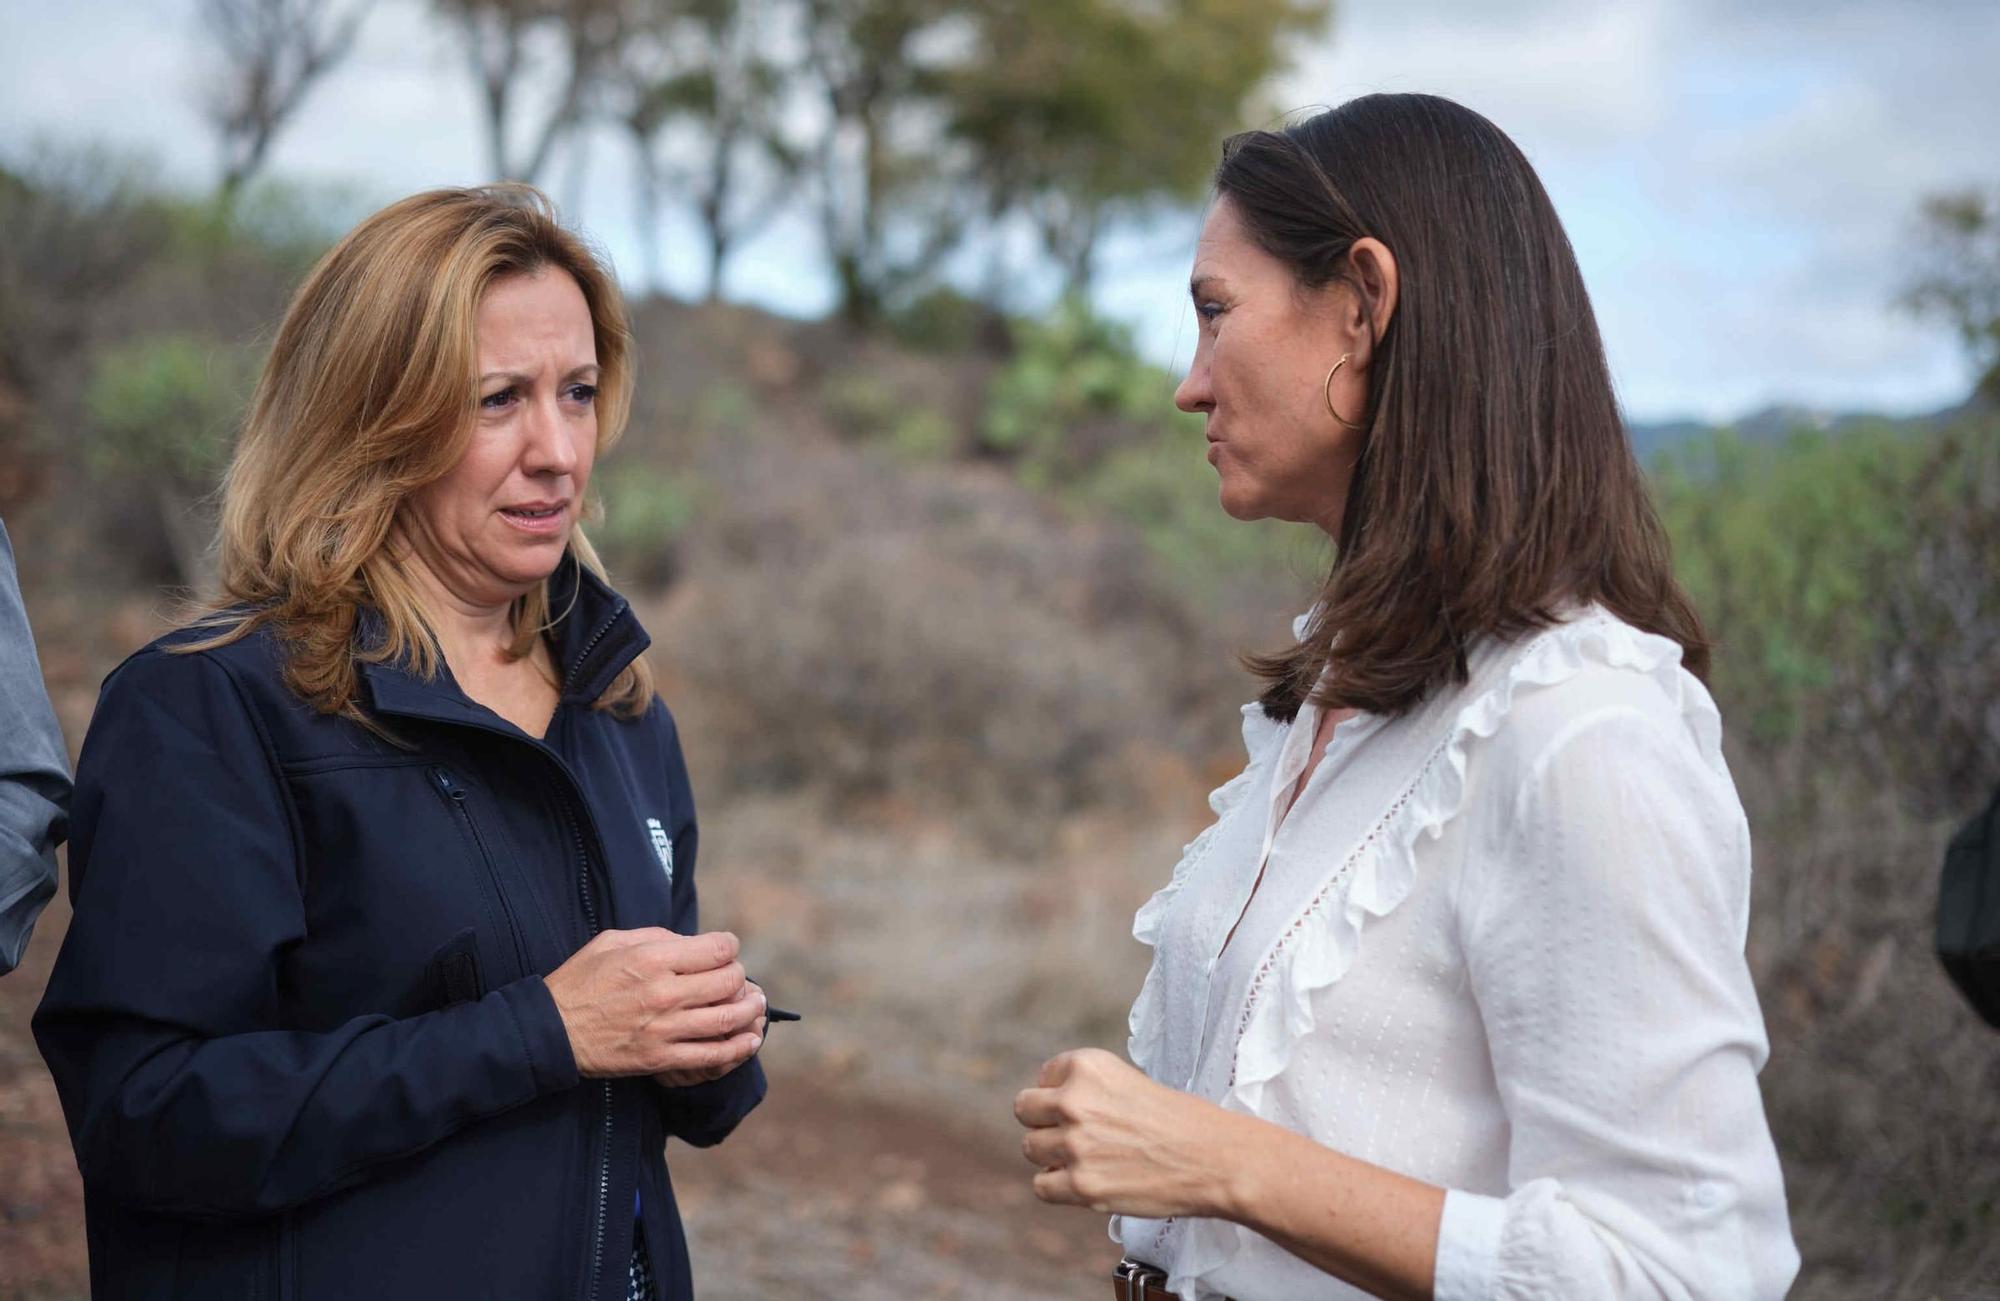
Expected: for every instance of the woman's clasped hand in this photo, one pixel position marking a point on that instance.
(650, 1002)
(1109, 1138)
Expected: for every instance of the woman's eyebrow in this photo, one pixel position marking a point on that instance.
(1199, 284)
(522, 377)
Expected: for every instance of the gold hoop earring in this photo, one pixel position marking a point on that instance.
(1343, 421)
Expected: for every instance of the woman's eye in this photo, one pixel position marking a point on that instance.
(582, 393)
(1208, 311)
(496, 401)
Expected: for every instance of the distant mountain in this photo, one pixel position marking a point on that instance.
(1775, 424)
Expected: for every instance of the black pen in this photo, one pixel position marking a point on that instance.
(772, 1015)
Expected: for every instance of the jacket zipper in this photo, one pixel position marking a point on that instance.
(604, 1095)
(590, 646)
(456, 794)
(590, 912)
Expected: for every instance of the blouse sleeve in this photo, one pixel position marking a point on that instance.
(1604, 941)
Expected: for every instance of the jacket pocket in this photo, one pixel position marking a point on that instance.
(452, 976)
(492, 889)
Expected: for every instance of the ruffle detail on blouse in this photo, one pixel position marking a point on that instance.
(1260, 736)
(1321, 943)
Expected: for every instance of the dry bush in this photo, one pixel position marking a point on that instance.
(935, 638)
(1883, 1088)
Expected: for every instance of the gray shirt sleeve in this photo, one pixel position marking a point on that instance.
(34, 775)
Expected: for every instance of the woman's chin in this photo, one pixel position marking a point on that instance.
(1243, 505)
(526, 562)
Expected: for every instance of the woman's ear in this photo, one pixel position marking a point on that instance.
(1374, 268)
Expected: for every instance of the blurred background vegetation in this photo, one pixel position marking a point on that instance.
(942, 594)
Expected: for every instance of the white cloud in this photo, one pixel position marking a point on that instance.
(1738, 178)
(1560, 74)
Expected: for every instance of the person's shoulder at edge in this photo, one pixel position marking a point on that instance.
(256, 653)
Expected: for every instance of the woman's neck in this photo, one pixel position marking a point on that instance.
(473, 634)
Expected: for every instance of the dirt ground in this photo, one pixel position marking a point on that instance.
(822, 1193)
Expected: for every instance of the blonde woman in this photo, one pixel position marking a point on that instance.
(385, 978)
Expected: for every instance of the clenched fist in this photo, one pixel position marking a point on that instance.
(1108, 1138)
(649, 1002)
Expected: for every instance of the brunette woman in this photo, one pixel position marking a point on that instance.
(1450, 1002)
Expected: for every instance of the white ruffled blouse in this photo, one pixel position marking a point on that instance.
(1498, 947)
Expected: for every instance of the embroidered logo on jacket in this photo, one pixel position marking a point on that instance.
(662, 846)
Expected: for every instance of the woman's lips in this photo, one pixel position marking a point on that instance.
(539, 519)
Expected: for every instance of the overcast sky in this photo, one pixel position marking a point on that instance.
(1739, 179)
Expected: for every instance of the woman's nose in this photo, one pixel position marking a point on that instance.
(1193, 392)
(551, 447)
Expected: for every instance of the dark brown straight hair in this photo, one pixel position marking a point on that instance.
(1495, 484)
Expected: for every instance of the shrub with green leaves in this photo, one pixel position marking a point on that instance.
(1079, 412)
(1786, 549)
(167, 405)
(647, 512)
(1074, 386)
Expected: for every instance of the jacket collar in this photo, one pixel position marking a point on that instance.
(594, 638)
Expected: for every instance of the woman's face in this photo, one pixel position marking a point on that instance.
(1259, 375)
(497, 523)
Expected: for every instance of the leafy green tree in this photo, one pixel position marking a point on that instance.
(1959, 279)
(1079, 111)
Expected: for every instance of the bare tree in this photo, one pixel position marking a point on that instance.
(701, 63)
(892, 202)
(506, 42)
(271, 52)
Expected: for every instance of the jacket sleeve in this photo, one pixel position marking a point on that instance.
(34, 775)
(701, 1115)
(184, 1089)
(1607, 961)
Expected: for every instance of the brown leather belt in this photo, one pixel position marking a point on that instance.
(1135, 1280)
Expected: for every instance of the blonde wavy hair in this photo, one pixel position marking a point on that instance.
(370, 393)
